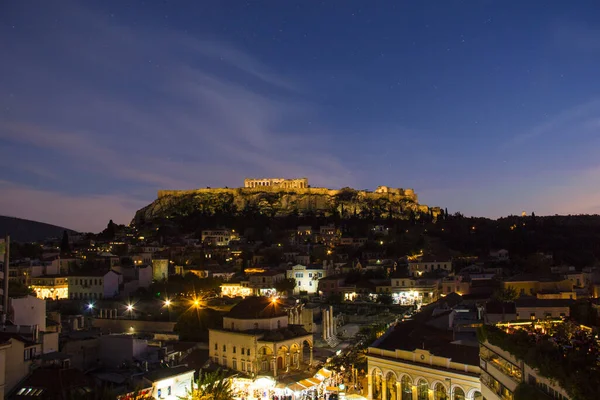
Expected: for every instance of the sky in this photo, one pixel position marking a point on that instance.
(488, 107)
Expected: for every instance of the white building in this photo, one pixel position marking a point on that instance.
(171, 383)
(307, 279)
(257, 339)
(94, 285)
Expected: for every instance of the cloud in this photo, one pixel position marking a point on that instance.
(138, 110)
(78, 212)
(563, 123)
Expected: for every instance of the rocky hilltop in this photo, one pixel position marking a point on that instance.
(280, 202)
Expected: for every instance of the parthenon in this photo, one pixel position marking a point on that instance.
(276, 182)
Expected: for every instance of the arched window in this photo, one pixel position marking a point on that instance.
(406, 387)
(477, 395)
(439, 392)
(458, 393)
(422, 390)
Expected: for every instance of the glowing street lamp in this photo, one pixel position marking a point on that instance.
(167, 303)
(90, 306)
(130, 307)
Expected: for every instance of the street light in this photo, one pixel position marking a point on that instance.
(167, 303)
(130, 307)
(90, 306)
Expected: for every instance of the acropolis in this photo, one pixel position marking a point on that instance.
(283, 183)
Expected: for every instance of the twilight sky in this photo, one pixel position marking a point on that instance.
(484, 107)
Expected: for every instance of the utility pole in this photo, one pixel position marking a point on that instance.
(6, 276)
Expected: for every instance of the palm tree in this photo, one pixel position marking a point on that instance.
(211, 386)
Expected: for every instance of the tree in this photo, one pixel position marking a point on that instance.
(64, 244)
(211, 386)
(504, 295)
(385, 298)
(111, 230)
(285, 285)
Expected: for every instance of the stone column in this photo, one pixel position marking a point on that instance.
(275, 367)
(414, 391)
(324, 324)
(398, 391)
(332, 322)
(383, 388)
(370, 387)
(311, 356)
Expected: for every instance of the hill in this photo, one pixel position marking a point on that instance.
(24, 230)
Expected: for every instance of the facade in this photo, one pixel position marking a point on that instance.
(282, 183)
(531, 285)
(307, 280)
(19, 358)
(170, 383)
(534, 308)
(236, 290)
(409, 291)
(94, 285)
(28, 311)
(218, 237)
(429, 264)
(448, 372)
(160, 269)
(54, 287)
(264, 283)
(3, 347)
(257, 339)
(501, 373)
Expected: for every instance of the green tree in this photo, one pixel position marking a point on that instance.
(64, 244)
(111, 230)
(285, 285)
(211, 386)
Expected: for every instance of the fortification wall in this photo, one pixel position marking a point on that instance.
(394, 192)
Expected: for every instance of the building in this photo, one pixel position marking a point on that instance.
(502, 374)
(239, 289)
(409, 291)
(160, 269)
(4, 345)
(170, 383)
(500, 255)
(333, 284)
(257, 339)
(263, 283)
(415, 361)
(300, 183)
(19, 357)
(532, 284)
(307, 279)
(53, 287)
(534, 308)
(429, 264)
(28, 311)
(218, 237)
(94, 285)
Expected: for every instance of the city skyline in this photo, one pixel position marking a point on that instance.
(485, 108)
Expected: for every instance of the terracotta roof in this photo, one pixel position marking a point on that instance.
(256, 307)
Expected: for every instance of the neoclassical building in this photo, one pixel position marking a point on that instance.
(283, 183)
(414, 361)
(260, 336)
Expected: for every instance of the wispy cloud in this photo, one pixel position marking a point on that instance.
(151, 110)
(562, 123)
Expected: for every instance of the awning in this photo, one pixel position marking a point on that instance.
(304, 384)
(323, 374)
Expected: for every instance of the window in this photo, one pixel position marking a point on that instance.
(248, 352)
(169, 391)
(224, 363)
(320, 274)
(224, 347)
(216, 346)
(234, 365)
(310, 283)
(532, 316)
(243, 365)
(310, 276)
(160, 393)
(234, 349)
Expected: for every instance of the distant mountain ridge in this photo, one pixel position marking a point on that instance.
(24, 230)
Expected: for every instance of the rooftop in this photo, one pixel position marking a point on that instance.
(164, 373)
(257, 308)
